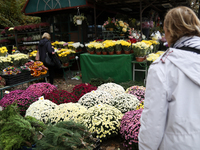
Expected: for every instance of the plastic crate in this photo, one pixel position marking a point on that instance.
(14, 79)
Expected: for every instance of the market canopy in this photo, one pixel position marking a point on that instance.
(129, 7)
(33, 7)
(132, 7)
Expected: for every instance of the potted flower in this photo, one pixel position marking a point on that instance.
(122, 28)
(98, 48)
(3, 51)
(78, 19)
(64, 56)
(141, 49)
(109, 24)
(118, 47)
(126, 46)
(90, 47)
(109, 45)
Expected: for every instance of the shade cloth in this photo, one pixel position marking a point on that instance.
(117, 67)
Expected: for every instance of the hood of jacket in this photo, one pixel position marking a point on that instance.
(188, 62)
(43, 42)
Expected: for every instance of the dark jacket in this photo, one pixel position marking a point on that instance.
(44, 46)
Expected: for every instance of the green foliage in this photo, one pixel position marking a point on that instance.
(15, 131)
(37, 124)
(66, 135)
(98, 81)
(131, 83)
(11, 15)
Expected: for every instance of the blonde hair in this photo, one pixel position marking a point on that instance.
(46, 35)
(181, 21)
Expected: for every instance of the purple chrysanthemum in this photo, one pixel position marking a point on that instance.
(129, 128)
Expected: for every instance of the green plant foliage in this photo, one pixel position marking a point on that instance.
(128, 84)
(37, 124)
(98, 81)
(15, 131)
(11, 14)
(66, 135)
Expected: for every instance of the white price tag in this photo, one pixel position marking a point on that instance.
(7, 92)
(41, 98)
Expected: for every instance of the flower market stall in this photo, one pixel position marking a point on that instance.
(44, 117)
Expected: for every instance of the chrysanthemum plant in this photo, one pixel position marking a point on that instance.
(61, 96)
(41, 110)
(129, 128)
(138, 91)
(125, 102)
(95, 97)
(102, 119)
(66, 112)
(83, 88)
(112, 88)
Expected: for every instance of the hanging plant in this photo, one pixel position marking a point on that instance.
(79, 18)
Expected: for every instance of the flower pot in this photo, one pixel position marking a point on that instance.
(71, 57)
(140, 59)
(131, 51)
(79, 22)
(111, 53)
(91, 52)
(104, 53)
(66, 64)
(110, 29)
(98, 53)
(127, 52)
(118, 52)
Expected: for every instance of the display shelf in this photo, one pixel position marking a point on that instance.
(111, 35)
(143, 67)
(33, 42)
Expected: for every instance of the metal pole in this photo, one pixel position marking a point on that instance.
(141, 17)
(95, 21)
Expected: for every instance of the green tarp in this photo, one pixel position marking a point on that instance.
(117, 67)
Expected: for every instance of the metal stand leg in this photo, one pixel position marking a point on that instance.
(64, 74)
(133, 72)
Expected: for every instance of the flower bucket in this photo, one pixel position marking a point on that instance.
(111, 53)
(110, 29)
(66, 64)
(118, 52)
(98, 53)
(79, 22)
(140, 59)
(104, 53)
(127, 52)
(91, 52)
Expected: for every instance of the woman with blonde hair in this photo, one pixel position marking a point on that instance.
(46, 47)
(170, 119)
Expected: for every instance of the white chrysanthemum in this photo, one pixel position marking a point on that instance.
(112, 88)
(41, 110)
(125, 102)
(95, 97)
(102, 119)
(66, 112)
